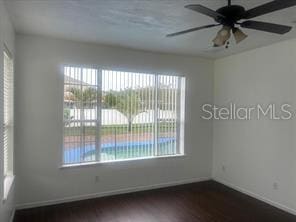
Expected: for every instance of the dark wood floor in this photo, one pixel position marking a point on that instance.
(199, 202)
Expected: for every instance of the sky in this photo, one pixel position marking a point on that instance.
(116, 80)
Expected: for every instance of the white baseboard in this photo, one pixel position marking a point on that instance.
(108, 193)
(12, 216)
(257, 196)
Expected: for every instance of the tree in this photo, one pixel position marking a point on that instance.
(127, 101)
(67, 116)
(87, 95)
(109, 100)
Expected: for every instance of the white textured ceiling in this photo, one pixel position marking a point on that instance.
(139, 24)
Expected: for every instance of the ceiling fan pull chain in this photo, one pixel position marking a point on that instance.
(227, 45)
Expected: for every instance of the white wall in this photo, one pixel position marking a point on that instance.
(39, 99)
(258, 153)
(7, 38)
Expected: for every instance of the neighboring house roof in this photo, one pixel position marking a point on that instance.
(71, 80)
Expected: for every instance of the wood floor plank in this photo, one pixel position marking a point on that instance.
(198, 202)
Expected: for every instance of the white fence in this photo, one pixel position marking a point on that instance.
(114, 117)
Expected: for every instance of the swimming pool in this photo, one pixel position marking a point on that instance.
(118, 151)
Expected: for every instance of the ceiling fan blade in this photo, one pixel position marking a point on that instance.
(269, 7)
(192, 30)
(206, 11)
(267, 27)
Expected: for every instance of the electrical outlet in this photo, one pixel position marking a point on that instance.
(97, 179)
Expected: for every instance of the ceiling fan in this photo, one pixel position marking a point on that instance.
(229, 17)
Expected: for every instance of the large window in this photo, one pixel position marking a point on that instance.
(113, 115)
(7, 121)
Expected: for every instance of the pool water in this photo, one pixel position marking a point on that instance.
(120, 151)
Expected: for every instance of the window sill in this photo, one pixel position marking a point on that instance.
(65, 166)
(8, 182)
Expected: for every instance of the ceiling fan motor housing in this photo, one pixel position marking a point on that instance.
(232, 14)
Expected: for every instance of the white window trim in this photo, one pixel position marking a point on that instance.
(131, 160)
(180, 125)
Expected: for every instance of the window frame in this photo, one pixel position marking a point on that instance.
(180, 119)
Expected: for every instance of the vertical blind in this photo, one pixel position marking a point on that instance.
(113, 115)
(8, 115)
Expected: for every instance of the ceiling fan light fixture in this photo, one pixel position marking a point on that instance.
(225, 32)
(239, 35)
(222, 36)
(218, 42)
